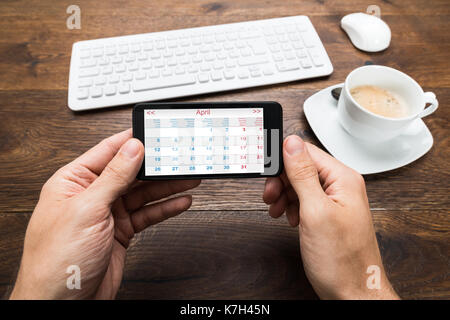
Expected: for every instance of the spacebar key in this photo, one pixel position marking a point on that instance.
(163, 83)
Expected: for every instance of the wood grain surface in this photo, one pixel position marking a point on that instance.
(226, 246)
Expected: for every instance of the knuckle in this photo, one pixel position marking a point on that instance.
(304, 170)
(115, 174)
(359, 180)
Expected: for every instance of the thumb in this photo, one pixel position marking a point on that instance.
(119, 173)
(300, 170)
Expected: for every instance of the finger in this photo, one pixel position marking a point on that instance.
(158, 212)
(156, 190)
(119, 174)
(100, 155)
(301, 170)
(277, 209)
(272, 190)
(292, 214)
(330, 169)
(291, 195)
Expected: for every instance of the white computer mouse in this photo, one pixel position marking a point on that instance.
(367, 32)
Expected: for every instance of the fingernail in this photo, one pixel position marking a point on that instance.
(131, 148)
(294, 145)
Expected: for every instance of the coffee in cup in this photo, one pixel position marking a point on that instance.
(380, 101)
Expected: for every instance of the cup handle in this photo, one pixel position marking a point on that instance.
(430, 98)
(338, 95)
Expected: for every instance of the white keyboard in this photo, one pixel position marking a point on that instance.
(155, 66)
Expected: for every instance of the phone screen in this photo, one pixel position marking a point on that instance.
(204, 141)
(209, 140)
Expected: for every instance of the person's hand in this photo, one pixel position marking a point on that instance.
(329, 203)
(87, 213)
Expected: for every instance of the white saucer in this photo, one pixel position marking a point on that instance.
(321, 112)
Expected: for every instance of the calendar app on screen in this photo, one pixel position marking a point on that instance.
(203, 141)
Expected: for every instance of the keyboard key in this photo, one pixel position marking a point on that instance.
(120, 68)
(243, 74)
(124, 88)
(301, 54)
(114, 79)
(153, 74)
(100, 81)
(217, 65)
(184, 60)
(216, 75)
(130, 58)
(166, 72)
(140, 75)
(116, 60)
(209, 57)
(96, 92)
(142, 56)
(279, 30)
(230, 63)
(158, 64)
(248, 61)
(283, 38)
(297, 45)
(172, 62)
(268, 71)
(228, 74)
(82, 93)
(133, 66)
(155, 55)
(275, 48)
(110, 90)
(146, 65)
(192, 50)
(160, 44)
(192, 69)
(110, 50)
(86, 73)
(107, 70)
(97, 52)
(85, 53)
(246, 52)
(135, 47)
(205, 67)
(255, 73)
(289, 55)
(220, 37)
(88, 63)
(305, 63)
(203, 77)
(277, 57)
(123, 49)
(308, 40)
(127, 77)
(103, 61)
(316, 57)
(180, 70)
(148, 45)
(174, 81)
(288, 66)
(85, 83)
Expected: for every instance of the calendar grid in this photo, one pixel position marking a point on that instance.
(204, 141)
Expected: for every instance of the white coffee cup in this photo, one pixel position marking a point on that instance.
(372, 127)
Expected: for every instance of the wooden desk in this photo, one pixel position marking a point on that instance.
(226, 246)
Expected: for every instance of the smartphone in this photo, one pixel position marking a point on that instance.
(209, 140)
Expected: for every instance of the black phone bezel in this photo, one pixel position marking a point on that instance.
(273, 119)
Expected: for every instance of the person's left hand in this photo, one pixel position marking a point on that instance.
(87, 213)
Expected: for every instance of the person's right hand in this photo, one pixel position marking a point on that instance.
(329, 203)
